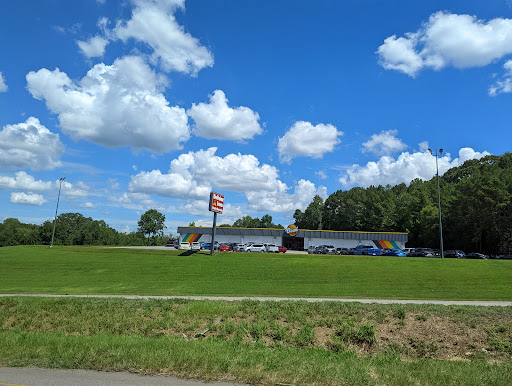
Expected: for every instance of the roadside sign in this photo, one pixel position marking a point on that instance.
(216, 202)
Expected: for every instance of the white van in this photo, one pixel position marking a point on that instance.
(195, 246)
(184, 245)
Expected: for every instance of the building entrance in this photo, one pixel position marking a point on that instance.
(295, 243)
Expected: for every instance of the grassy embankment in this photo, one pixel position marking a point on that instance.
(86, 270)
(257, 342)
(291, 342)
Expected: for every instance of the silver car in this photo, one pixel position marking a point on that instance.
(256, 248)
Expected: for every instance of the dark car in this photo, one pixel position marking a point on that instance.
(476, 255)
(171, 243)
(421, 252)
(343, 251)
(454, 254)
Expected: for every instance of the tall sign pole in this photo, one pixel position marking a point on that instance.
(216, 206)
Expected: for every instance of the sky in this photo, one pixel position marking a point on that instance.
(145, 104)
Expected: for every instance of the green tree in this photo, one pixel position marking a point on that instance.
(151, 223)
(311, 218)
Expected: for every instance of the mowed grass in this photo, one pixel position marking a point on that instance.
(94, 270)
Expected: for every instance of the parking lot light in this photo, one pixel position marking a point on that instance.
(439, 200)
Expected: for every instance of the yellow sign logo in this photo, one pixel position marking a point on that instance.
(292, 230)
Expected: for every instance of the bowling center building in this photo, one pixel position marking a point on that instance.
(293, 238)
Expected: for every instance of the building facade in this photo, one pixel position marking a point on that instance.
(302, 240)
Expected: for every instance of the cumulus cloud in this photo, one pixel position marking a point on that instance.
(27, 198)
(405, 168)
(72, 191)
(505, 84)
(384, 143)
(217, 120)
(280, 200)
(193, 175)
(29, 144)
(3, 85)
(24, 181)
(153, 23)
(117, 105)
(305, 140)
(447, 39)
(94, 47)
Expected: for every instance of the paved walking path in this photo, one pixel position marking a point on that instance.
(30, 376)
(238, 298)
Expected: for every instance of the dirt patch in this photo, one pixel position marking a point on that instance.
(435, 337)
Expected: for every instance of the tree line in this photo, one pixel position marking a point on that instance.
(476, 206)
(76, 229)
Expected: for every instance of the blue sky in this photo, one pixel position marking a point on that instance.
(154, 103)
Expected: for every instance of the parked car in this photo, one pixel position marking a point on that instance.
(195, 246)
(326, 250)
(206, 245)
(271, 248)
(171, 243)
(224, 248)
(454, 254)
(282, 249)
(392, 252)
(184, 245)
(311, 250)
(476, 255)
(366, 250)
(256, 248)
(422, 252)
(343, 251)
(239, 248)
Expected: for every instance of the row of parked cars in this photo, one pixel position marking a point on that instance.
(235, 247)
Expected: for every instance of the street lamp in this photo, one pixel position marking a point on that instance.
(439, 200)
(55, 218)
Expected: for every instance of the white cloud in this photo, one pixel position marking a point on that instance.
(405, 168)
(280, 200)
(384, 143)
(3, 85)
(461, 41)
(117, 105)
(29, 144)
(217, 120)
(88, 205)
(73, 191)
(154, 24)
(304, 139)
(94, 47)
(321, 174)
(505, 84)
(193, 175)
(27, 199)
(24, 181)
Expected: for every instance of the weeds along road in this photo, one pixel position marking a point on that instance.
(481, 303)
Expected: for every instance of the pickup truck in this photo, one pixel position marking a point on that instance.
(366, 250)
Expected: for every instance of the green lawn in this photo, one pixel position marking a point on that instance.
(94, 270)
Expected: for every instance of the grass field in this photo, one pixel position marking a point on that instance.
(88, 270)
(290, 342)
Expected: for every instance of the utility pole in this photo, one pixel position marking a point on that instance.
(439, 200)
(57, 208)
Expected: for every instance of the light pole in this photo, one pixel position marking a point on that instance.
(57, 208)
(439, 200)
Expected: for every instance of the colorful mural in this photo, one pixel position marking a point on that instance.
(385, 244)
(191, 237)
